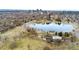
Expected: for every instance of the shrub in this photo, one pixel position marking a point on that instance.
(13, 45)
(60, 34)
(46, 48)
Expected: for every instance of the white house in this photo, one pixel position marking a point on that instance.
(56, 38)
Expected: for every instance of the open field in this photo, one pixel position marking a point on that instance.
(15, 33)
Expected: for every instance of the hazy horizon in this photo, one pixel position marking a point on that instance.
(60, 5)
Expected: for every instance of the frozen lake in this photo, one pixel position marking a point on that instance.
(53, 27)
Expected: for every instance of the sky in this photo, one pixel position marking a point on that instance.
(40, 4)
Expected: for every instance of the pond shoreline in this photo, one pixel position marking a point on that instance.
(53, 27)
